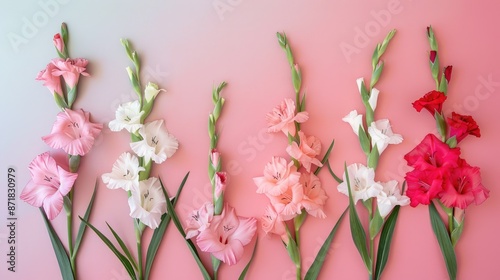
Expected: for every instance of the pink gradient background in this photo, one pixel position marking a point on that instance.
(187, 47)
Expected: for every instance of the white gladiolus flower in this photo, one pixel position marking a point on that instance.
(355, 120)
(389, 197)
(157, 143)
(373, 98)
(362, 182)
(125, 173)
(128, 116)
(147, 202)
(151, 91)
(381, 134)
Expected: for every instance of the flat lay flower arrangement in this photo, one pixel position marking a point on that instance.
(440, 177)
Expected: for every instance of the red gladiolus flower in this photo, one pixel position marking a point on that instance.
(433, 155)
(432, 56)
(423, 186)
(431, 101)
(462, 125)
(447, 73)
(463, 187)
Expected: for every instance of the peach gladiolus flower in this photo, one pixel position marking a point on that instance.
(278, 176)
(48, 185)
(73, 132)
(289, 203)
(283, 118)
(227, 235)
(306, 152)
(314, 195)
(272, 223)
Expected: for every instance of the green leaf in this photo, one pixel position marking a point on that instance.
(443, 85)
(159, 232)
(123, 246)
(444, 241)
(373, 157)
(190, 244)
(458, 227)
(363, 140)
(375, 57)
(452, 142)
(315, 268)
(376, 74)
(357, 231)
(364, 92)
(441, 124)
(61, 103)
(376, 224)
(59, 250)
(332, 173)
(245, 270)
(302, 106)
(384, 246)
(292, 248)
(125, 262)
(82, 227)
(325, 157)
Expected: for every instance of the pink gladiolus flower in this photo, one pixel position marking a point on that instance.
(463, 187)
(314, 195)
(462, 125)
(220, 183)
(48, 185)
(73, 132)
(227, 235)
(278, 176)
(199, 220)
(58, 43)
(306, 152)
(70, 69)
(423, 186)
(283, 118)
(289, 203)
(432, 154)
(272, 223)
(51, 81)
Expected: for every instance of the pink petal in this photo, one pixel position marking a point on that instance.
(245, 231)
(34, 193)
(208, 241)
(231, 253)
(53, 205)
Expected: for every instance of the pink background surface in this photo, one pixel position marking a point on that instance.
(187, 47)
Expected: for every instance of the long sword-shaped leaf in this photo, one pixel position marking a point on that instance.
(357, 231)
(126, 263)
(59, 250)
(332, 173)
(325, 157)
(82, 227)
(384, 246)
(159, 232)
(190, 244)
(444, 241)
(123, 246)
(315, 268)
(245, 270)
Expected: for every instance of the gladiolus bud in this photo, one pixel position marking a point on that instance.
(58, 43)
(151, 91)
(432, 56)
(447, 73)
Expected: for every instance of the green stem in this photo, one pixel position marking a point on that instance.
(138, 236)
(450, 221)
(69, 224)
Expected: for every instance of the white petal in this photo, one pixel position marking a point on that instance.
(128, 116)
(373, 98)
(359, 82)
(354, 119)
(147, 202)
(125, 173)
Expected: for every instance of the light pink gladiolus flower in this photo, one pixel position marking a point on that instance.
(282, 118)
(306, 152)
(70, 69)
(199, 220)
(289, 203)
(272, 223)
(48, 185)
(73, 132)
(278, 176)
(58, 43)
(214, 158)
(227, 235)
(314, 195)
(51, 81)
